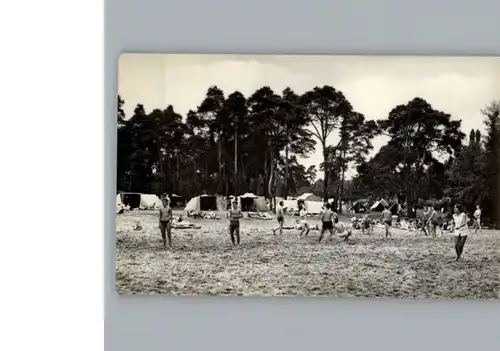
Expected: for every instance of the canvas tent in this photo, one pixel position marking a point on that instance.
(394, 208)
(309, 197)
(379, 206)
(252, 203)
(358, 206)
(313, 207)
(137, 200)
(206, 203)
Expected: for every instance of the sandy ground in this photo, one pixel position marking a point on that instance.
(204, 262)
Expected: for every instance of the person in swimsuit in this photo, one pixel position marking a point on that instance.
(477, 219)
(366, 224)
(233, 216)
(166, 223)
(327, 218)
(460, 229)
(432, 221)
(303, 222)
(280, 216)
(387, 220)
(342, 230)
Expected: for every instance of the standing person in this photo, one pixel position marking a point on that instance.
(233, 216)
(165, 217)
(432, 221)
(366, 224)
(303, 221)
(280, 217)
(327, 218)
(387, 220)
(460, 231)
(477, 219)
(425, 218)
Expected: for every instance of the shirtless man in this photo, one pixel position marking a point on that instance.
(280, 217)
(327, 218)
(387, 220)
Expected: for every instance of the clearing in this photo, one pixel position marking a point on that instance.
(205, 263)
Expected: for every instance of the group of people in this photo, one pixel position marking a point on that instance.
(331, 223)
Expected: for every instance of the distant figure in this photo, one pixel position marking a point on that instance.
(425, 218)
(303, 222)
(280, 217)
(366, 224)
(387, 220)
(233, 216)
(477, 219)
(327, 218)
(459, 229)
(432, 221)
(165, 218)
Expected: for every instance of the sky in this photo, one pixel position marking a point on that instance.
(460, 86)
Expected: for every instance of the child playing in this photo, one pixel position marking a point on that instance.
(166, 223)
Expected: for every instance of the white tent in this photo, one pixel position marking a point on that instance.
(310, 197)
(252, 203)
(119, 204)
(313, 207)
(206, 203)
(379, 205)
(248, 196)
(150, 202)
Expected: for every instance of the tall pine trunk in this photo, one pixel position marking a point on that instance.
(270, 188)
(286, 172)
(236, 160)
(325, 177)
(341, 197)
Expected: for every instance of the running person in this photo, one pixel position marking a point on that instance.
(280, 216)
(304, 226)
(165, 217)
(477, 219)
(460, 231)
(327, 218)
(233, 216)
(387, 218)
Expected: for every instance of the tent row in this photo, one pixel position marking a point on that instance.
(377, 206)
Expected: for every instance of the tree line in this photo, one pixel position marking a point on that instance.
(232, 144)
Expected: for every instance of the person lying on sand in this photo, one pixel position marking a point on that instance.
(165, 217)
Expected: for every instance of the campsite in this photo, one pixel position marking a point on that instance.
(205, 263)
(408, 189)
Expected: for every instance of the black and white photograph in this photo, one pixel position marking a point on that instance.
(333, 176)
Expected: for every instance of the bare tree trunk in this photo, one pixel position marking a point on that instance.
(325, 177)
(270, 184)
(266, 176)
(341, 197)
(286, 172)
(236, 161)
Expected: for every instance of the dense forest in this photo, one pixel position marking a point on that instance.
(232, 144)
